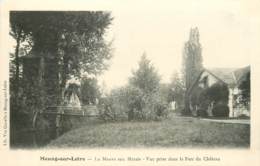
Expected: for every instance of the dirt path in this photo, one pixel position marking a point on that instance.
(236, 121)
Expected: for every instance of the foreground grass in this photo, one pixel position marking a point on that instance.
(174, 132)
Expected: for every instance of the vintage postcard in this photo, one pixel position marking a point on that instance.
(129, 82)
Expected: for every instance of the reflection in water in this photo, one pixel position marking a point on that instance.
(48, 127)
(29, 139)
(33, 139)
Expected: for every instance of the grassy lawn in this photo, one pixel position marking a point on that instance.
(173, 132)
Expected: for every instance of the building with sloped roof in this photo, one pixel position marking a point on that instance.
(231, 78)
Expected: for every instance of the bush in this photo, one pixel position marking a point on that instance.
(133, 104)
(115, 105)
(243, 116)
(202, 113)
(111, 109)
(217, 93)
(220, 110)
(155, 107)
(202, 98)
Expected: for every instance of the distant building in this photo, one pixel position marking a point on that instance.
(230, 78)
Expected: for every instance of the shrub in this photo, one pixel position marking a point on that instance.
(155, 107)
(145, 99)
(90, 90)
(121, 104)
(202, 113)
(202, 98)
(133, 104)
(245, 90)
(220, 110)
(243, 116)
(217, 93)
(112, 107)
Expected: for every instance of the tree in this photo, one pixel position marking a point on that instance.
(192, 58)
(218, 92)
(245, 90)
(192, 62)
(71, 43)
(210, 99)
(116, 104)
(176, 89)
(145, 77)
(135, 102)
(67, 44)
(145, 100)
(20, 36)
(89, 90)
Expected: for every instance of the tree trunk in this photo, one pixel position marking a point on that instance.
(48, 49)
(186, 110)
(64, 72)
(17, 64)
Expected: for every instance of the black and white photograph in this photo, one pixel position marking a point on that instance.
(130, 82)
(72, 85)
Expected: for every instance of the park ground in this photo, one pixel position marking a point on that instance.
(178, 132)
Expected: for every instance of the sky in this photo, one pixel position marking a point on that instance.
(160, 29)
(225, 36)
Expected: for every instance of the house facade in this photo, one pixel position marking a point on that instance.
(228, 78)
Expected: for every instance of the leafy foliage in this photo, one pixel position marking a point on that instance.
(192, 58)
(70, 43)
(141, 99)
(192, 63)
(89, 90)
(176, 90)
(245, 90)
(147, 101)
(114, 106)
(215, 95)
(133, 104)
(145, 77)
(220, 110)
(76, 39)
